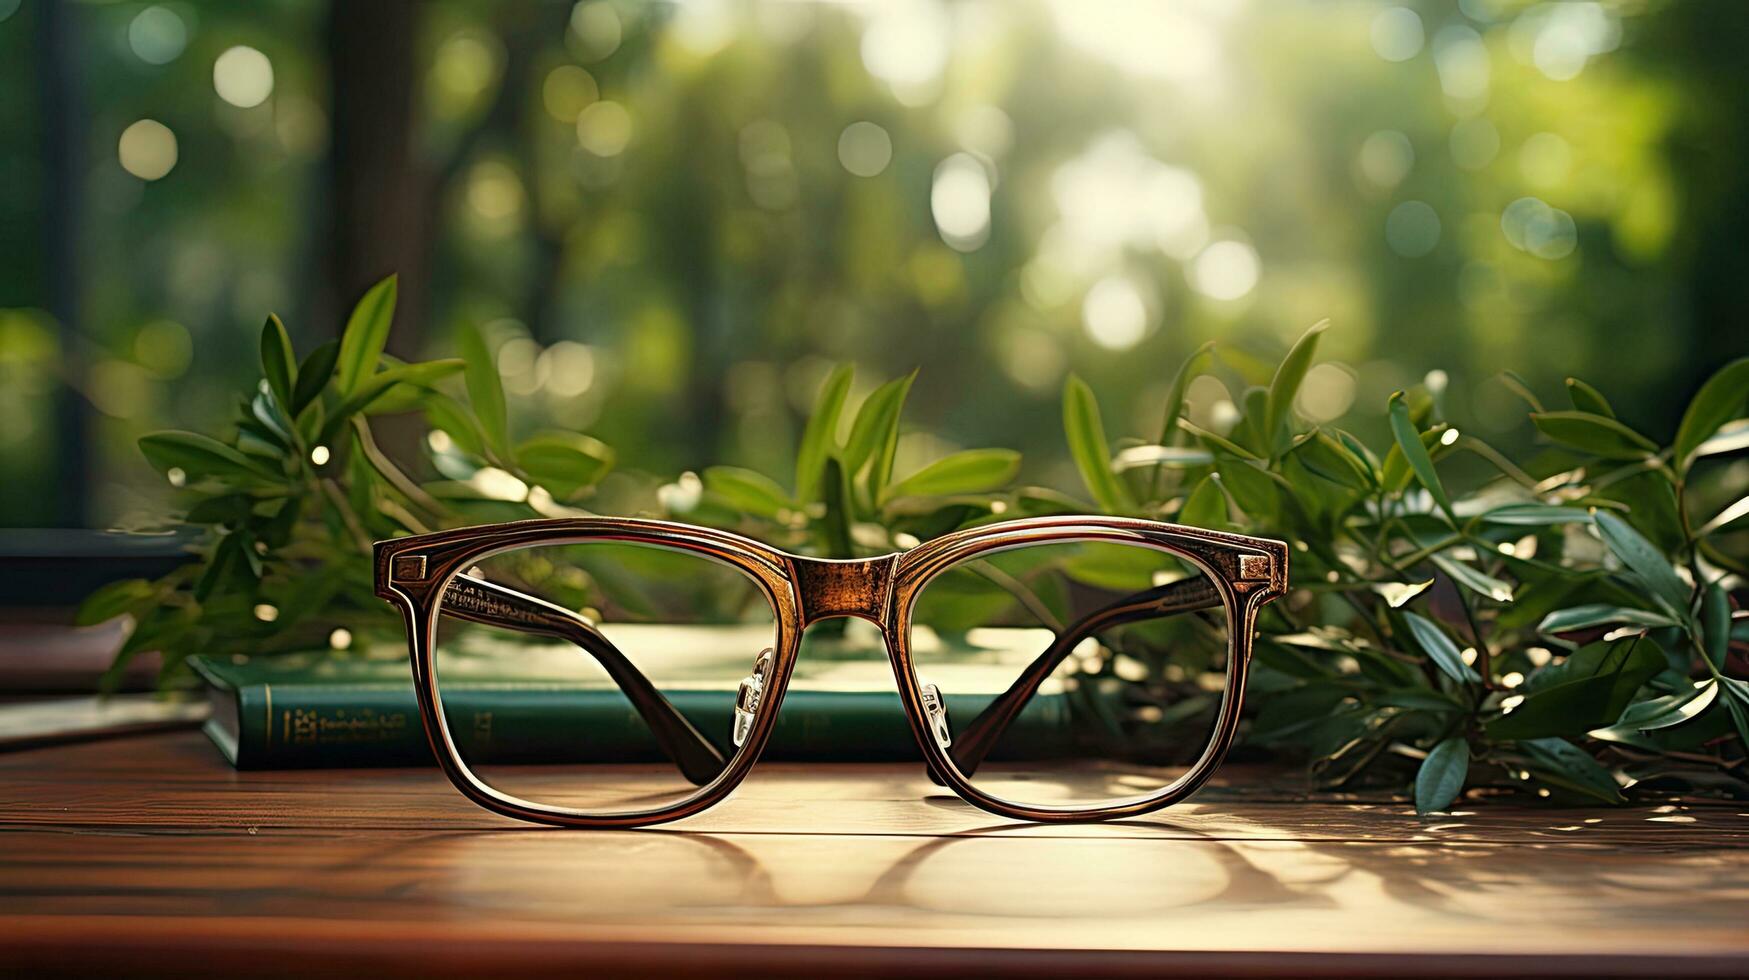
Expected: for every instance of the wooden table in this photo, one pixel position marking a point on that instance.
(151, 854)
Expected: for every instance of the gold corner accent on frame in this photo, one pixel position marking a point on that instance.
(1254, 567)
(408, 568)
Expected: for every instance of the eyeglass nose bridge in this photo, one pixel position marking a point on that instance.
(833, 588)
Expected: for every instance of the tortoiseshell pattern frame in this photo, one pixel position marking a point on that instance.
(412, 573)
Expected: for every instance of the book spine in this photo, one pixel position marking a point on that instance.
(303, 726)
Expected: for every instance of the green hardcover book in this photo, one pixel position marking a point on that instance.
(333, 710)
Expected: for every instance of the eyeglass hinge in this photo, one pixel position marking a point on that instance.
(407, 568)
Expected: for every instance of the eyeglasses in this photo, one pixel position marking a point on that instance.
(1097, 663)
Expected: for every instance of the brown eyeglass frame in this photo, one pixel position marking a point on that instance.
(413, 573)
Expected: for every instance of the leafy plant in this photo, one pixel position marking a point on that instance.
(1564, 627)
(287, 503)
(846, 500)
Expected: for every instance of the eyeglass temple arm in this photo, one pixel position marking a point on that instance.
(973, 743)
(479, 601)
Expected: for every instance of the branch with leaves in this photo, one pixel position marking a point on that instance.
(287, 502)
(1565, 628)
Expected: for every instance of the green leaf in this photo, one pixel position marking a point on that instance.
(1252, 488)
(1086, 435)
(1217, 442)
(1645, 563)
(1396, 594)
(453, 418)
(1441, 649)
(1649, 497)
(379, 385)
(1561, 763)
(113, 600)
(1599, 614)
(1175, 398)
(970, 471)
(1206, 506)
(367, 330)
(1136, 457)
(874, 434)
(197, 456)
(1415, 454)
(1720, 399)
(835, 494)
(1582, 702)
(1588, 399)
(566, 463)
(1442, 775)
(747, 491)
(1328, 457)
(1254, 404)
(821, 432)
(1286, 383)
(1664, 712)
(1738, 709)
(485, 387)
(278, 362)
(1731, 437)
(1599, 435)
(1715, 624)
(1475, 581)
(1536, 515)
(313, 375)
(1730, 515)
(1517, 386)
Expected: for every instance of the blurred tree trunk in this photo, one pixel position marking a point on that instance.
(379, 221)
(63, 127)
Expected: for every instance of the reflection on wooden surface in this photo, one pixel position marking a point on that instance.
(154, 842)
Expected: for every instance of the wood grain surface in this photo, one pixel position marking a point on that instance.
(150, 855)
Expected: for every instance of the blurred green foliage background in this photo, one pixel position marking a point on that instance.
(670, 219)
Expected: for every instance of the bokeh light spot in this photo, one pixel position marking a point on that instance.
(1412, 229)
(702, 27)
(119, 388)
(1226, 270)
(495, 193)
(906, 44)
(1397, 34)
(960, 201)
(1144, 37)
(1326, 393)
(1560, 39)
(567, 91)
(604, 129)
(164, 348)
(864, 149)
(156, 35)
(596, 27)
(243, 77)
(1531, 225)
(1544, 160)
(985, 129)
(1386, 158)
(1115, 314)
(147, 149)
(1031, 357)
(1462, 61)
(1474, 143)
(568, 368)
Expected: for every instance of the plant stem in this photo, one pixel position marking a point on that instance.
(332, 491)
